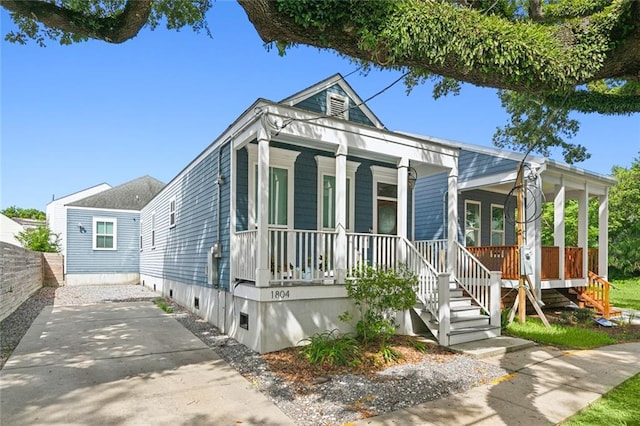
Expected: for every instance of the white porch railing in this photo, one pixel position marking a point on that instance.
(427, 291)
(301, 255)
(435, 251)
(244, 259)
(474, 277)
(376, 250)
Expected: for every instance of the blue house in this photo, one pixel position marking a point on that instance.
(102, 242)
(259, 233)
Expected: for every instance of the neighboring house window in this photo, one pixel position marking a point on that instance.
(472, 223)
(497, 225)
(105, 233)
(337, 106)
(327, 192)
(153, 229)
(172, 212)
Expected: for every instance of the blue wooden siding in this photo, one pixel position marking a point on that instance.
(431, 213)
(83, 259)
(486, 199)
(430, 210)
(318, 103)
(181, 252)
(473, 165)
(306, 189)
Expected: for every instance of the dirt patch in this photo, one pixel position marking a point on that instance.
(290, 365)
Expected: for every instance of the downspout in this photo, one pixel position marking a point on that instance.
(221, 181)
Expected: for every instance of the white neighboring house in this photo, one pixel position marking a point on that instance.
(57, 214)
(9, 229)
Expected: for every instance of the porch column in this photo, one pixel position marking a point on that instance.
(341, 215)
(533, 234)
(558, 224)
(403, 174)
(583, 228)
(603, 234)
(452, 219)
(263, 272)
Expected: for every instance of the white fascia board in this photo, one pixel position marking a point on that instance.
(83, 193)
(557, 168)
(335, 132)
(510, 155)
(484, 181)
(572, 181)
(101, 209)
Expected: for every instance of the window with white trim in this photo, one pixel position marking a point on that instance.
(153, 230)
(281, 182)
(385, 198)
(497, 225)
(327, 192)
(105, 235)
(172, 212)
(337, 106)
(472, 223)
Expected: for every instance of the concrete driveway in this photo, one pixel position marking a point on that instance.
(123, 364)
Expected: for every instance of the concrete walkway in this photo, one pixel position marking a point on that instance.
(547, 386)
(123, 364)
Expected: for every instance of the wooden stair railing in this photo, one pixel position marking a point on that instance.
(596, 295)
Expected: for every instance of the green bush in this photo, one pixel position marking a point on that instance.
(39, 239)
(330, 348)
(377, 294)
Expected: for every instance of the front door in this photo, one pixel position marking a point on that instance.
(387, 217)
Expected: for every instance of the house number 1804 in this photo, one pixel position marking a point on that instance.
(280, 294)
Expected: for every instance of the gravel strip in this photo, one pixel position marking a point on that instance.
(340, 400)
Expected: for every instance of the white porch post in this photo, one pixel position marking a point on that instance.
(263, 272)
(558, 224)
(444, 310)
(452, 219)
(341, 215)
(603, 234)
(403, 174)
(534, 234)
(583, 228)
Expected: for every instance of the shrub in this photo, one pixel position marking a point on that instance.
(378, 294)
(330, 348)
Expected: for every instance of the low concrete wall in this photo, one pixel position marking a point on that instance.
(21, 275)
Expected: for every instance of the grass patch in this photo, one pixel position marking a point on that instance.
(557, 335)
(162, 304)
(626, 294)
(618, 407)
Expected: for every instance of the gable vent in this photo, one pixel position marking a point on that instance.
(337, 106)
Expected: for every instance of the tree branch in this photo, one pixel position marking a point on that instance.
(116, 28)
(512, 56)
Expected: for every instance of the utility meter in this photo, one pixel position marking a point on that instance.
(526, 261)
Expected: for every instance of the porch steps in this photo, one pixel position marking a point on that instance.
(467, 323)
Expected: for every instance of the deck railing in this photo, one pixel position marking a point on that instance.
(550, 263)
(499, 258)
(363, 249)
(427, 291)
(474, 277)
(593, 260)
(435, 251)
(597, 293)
(573, 263)
(301, 255)
(244, 259)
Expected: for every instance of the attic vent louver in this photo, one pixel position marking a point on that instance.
(337, 106)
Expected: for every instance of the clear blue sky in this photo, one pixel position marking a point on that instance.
(76, 116)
